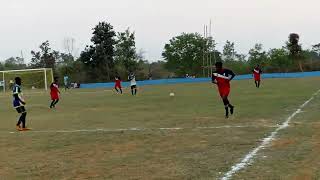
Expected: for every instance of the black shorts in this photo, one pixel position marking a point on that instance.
(133, 86)
(21, 109)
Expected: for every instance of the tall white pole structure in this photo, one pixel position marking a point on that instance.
(45, 79)
(203, 53)
(4, 83)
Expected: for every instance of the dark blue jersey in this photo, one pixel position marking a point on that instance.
(17, 96)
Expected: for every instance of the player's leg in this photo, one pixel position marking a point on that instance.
(135, 90)
(52, 103)
(231, 107)
(22, 119)
(132, 90)
(55, 102)
(120, 88)
(256, 83)
(259, 83)
(18, 125)
(116, 89)
(226, 107)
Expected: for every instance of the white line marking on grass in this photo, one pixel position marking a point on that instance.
(140, 129)
(246, 160)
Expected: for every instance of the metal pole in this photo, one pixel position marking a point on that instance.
(4, 83)
(51, 75)
(210, 50)
(203, 55)
(207, 52)
(45, 79)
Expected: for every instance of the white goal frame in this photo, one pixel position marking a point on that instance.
(29, 70)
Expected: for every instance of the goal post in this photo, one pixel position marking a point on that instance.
(31, 78)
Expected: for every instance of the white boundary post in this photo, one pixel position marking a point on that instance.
(4, 83)
(45, 79)
(52, 78)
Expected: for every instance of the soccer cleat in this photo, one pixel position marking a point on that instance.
(18, 128)
(231, 109)
(25, 129)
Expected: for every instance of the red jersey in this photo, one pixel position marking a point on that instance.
(54, 91)
(257, 74)
(118, 83)
(222, 79)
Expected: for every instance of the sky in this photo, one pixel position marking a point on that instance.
(25, 24)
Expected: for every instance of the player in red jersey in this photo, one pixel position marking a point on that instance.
(257, 75)
(54, 87)
(117, 85)
(222, 78)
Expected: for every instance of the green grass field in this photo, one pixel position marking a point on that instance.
(205, 147)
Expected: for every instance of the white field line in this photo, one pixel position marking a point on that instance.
(139, 129)
(266, 141)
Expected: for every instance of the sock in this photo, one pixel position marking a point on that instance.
(226, 106)
(135, 91)
(19, 121)
(258, 84)
(23, 119)
(132, 91)
(116, 89)
(227, 111)
(120, 90)
(56, 102)
(52, 104)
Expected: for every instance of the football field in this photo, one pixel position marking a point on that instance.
(97, 134)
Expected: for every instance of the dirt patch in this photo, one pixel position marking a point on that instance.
(305, 174)
(125, 148)
(282, 143)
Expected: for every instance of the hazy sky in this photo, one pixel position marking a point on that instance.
(27, 23)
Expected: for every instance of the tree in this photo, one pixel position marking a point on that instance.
(316, 49)
(257, 56)
(228, 52)
(14, 63)
(279, 59)
(99, 57)
(295, 49)
(45, 58)
(126, 55)
(184, 53)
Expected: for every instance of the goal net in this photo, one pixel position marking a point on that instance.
(31, 78)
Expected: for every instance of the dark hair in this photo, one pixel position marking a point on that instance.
(17, 79)
(218, 64)
(56, 78)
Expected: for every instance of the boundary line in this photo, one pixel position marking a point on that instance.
(138, 129)
(266, 141)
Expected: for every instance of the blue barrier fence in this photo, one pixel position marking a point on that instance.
(199, 80)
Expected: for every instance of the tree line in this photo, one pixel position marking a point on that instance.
(113, 54)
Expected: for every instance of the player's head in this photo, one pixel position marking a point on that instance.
(258, 66)
(18, 80)
(218, 66)
(56, 79)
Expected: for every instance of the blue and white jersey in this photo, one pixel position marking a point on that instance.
(132, 80)
(65, 79)
(17, 96)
